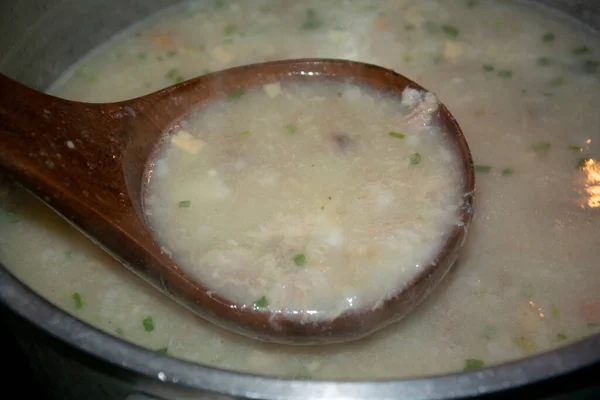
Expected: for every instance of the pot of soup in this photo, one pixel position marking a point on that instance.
(520, 310)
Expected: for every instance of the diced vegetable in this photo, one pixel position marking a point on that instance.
(163, 40)
(230, 29)
(544, 61)
(542, 146)
(581, 50)
(473, 363)
(396, 135)
(291, 128)
(235, 95)
(78, 300)
(184, 204)
(561, 336)
(246, 134)
(260, 303)
(507, 171)
(415, 159)
(582, 162)
(163, 350)
(525, 343)
(504, 73)
(555, 312)
(483, 168)
(174, 75)
(488, 67)
(119, 332)
(548, 37)
(450, 30)
(311, 20)
(148, 324)
(299, 259)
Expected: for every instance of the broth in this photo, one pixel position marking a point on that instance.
(522, 83)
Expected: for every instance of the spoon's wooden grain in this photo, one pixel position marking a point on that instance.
(89, 163)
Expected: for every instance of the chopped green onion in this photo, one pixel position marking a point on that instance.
(450, 30)
(299, 259)
(557, 81)
(542, 146)
(119, 332)
(483, 168)
(507, 171)
(561, 336)
(473, 363)
(438, 59)
(78, 300)
(488, 67)
(573, 147)
(525, 343)
(544, 61)
(260, 303)
(415, 159)
(555, 312)
(142, 56)
(219, 3)
(505, 73)
(229, 29)
(472, 3)
(548, 37)
(409, 27)
(591, 66)
(163, 350)
(581, 50)
(174, 75)
(148, 324)
(421, 218)
(489, 332)
(291, 128)
(311, 20)
(235, 95)
(582, 162)
(184, 204)
(396, 135)
(246, 134)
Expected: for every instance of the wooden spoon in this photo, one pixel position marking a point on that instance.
(88, 162)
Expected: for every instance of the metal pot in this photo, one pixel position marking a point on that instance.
(73, 360)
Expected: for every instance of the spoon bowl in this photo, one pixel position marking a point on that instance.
(90, 163)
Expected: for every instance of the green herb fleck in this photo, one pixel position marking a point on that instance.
(311, 20)
(488, 67)
(142, 56)
(483, 168)
(525, 343)
(504, 73)
(473, 363)
(299, 259)
(184, 204)
(171, 53)
(291, 128)
(148, 324)
(581, 50)
(230, 29)
(421, 218)
(235, 95)
(437, 60)
(410, 27)
(407, 57)
(548, 37)
(489, 332)
(174, 75)
(507, 171)
(163, 350)
(472, 3)
(582, 163)
(450, 30)
(573, 147)
(557, 81)
(561, 336)
(591, 66)
(415, 159)
(260, 303)
(246, 134)
(396, 135)
(219, 3)
(78, 300)
(555, 312)
(544, 61)
(119, 332)
(542, 146)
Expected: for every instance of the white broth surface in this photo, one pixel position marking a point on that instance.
(308, 199)
(523, 84)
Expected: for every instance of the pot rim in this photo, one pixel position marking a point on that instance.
(157, 367)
